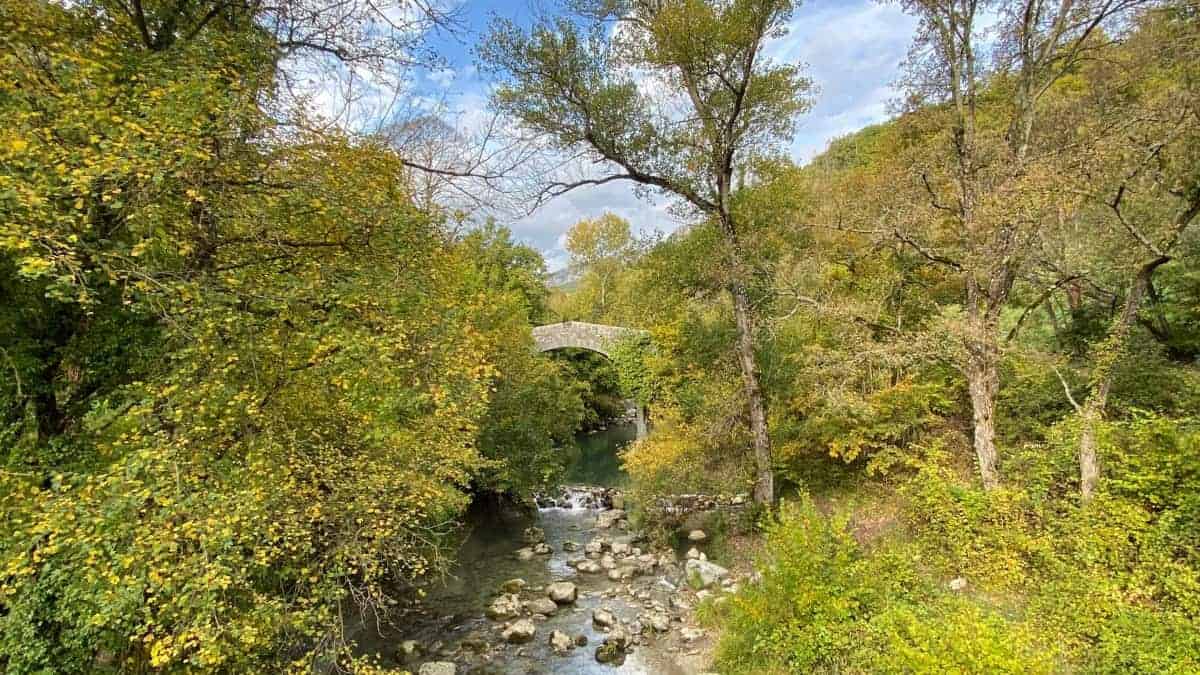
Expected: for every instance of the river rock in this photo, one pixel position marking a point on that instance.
(622, 573)
(542, 549)
(607, 519)
(595, 547)
(694, 554)
(521, 630)
(610, 653)
(475, 641)
(533, 535)
(408, 651)
(614, 647)
(560, 642)
(620, 548)
(524, 554)
(542, 606)
(570, 546)
(513, 585)
(603, 618)
(697, 536)
(646, 563)
(581, 640)
(588, 567)
(691, 634)
(702, 574)
(562, 592)
(658, 621)
(438, 668)
(504, 607)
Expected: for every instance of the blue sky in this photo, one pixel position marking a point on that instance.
(852, 50)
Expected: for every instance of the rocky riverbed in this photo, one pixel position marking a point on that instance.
(571, 590)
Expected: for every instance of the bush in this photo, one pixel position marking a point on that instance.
(825, 605)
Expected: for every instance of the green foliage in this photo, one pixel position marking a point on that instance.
(630, 357)
(826, 605)
(252, 384)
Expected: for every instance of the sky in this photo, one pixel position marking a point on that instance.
(851, 49)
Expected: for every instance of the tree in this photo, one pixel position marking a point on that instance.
(1000, 193)
(600, 246)
(676, 96)
(1144, 182)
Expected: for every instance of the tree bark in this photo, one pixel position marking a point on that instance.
(983, 382)
(764, 484)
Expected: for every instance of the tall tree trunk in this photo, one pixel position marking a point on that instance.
(1108, 354)
(764, 484)
(983, 381)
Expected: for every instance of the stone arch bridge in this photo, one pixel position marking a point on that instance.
(594, 337)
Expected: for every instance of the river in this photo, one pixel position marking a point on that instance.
(449, 624)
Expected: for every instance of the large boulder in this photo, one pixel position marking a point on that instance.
(521, 630)
(588, 567)
(542, 606)
(533, 535)
(438, 668)
(621, 548)
(603, 618)
(656, 620)
(614, 647)
(594, 547)
(562, 592)
(703, 574)
(504, 607)
(622, 573)
(513, 585)
(560, 642)
(475, 641)
(608, 519)
(408, 651)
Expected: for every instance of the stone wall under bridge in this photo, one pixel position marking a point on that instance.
(594, 337)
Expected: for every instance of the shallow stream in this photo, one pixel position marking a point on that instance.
(450, 624)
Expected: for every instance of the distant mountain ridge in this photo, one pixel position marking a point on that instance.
(566, 279)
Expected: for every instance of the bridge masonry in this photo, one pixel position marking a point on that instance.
(593, 337)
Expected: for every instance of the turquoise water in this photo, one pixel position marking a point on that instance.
(595, 460)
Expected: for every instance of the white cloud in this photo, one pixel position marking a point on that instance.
(852, 50)
(442, 77)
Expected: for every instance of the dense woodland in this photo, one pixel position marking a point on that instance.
(256, 365)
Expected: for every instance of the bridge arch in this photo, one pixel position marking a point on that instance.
(596, 337)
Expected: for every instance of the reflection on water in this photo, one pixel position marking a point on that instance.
(595, 460)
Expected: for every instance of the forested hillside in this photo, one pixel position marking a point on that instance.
(977, 331)
(255, 370)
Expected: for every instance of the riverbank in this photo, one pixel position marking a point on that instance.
(568, 589)
(568, 586)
